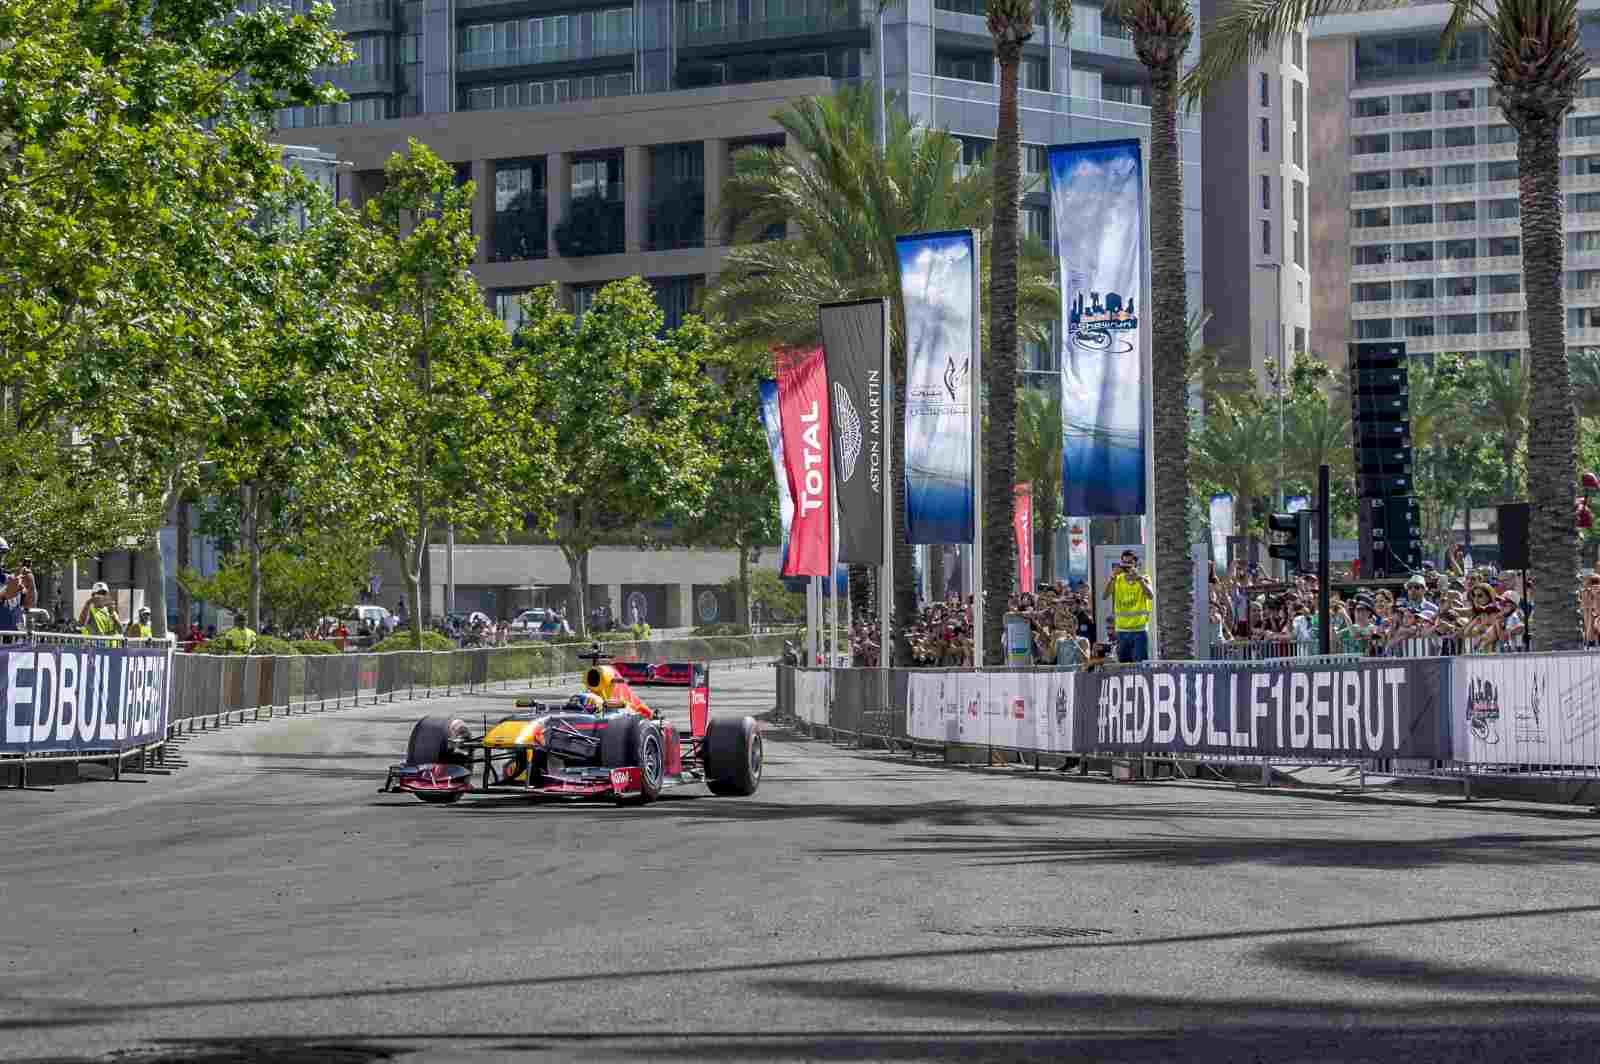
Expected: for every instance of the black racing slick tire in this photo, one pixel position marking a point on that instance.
(430, 742)
(733, 755)
(633, 742)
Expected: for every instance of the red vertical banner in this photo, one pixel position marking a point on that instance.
(1022, 523)
(803, 409)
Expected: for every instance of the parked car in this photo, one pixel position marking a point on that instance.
(531, 620)
(377, 616)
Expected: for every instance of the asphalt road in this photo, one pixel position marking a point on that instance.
(264, 903)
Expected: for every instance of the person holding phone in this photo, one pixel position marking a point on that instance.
(16, 592)
(99, 615)
(1132, 600)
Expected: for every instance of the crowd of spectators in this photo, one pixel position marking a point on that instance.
(1061, 619)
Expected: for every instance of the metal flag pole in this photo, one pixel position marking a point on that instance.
(974, 383)
(886, 571)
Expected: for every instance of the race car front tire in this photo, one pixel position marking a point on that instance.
(631, 742)
(430, 744)
(733, 756)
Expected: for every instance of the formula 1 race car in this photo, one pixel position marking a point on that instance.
(603, 741)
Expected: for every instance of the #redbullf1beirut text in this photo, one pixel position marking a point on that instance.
(1352, 710)
(65, 698)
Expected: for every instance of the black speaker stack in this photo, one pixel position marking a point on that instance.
(1380, 418)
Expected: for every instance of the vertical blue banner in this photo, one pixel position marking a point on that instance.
(936, 281)
(1097, 201)
(774, 426)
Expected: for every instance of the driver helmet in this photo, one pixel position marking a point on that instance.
(587, 702)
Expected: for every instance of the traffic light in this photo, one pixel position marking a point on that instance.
(1295, 546)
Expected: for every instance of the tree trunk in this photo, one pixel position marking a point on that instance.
(1000, 363)
(410, 570)
(252, 545)
(577, 567)
(1170, 371)
(905, 586)
(184, 535)
(936, 575)
(1552, 451)
(425, 576)
(741, 599)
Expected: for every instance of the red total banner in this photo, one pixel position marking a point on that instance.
(803, 410)
(1022, 524)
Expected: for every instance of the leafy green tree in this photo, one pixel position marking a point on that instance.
(295, 585)
(843, 203)
(1536, 61)
(1499, 406)
(1235, 450)
(1039, 464)
(626, 402)
(453, 431)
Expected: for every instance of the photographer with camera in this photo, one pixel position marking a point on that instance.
(1132, 600)
(99, 615)
(16, 593)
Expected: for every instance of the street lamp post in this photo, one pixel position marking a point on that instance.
(1277, 278)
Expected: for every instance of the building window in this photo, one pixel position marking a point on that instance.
(1583, 318)
(1266, 237)
(1501, 171)
(1589, 88)
(1378, 292)
(1584, 242)
(1375, 181)
(1369, 144)
(1504, 284)
(1416, 177)
(1371, 328)
(1298, 43)
(1416, 103)
(1266, 192)
(1503, 321)
(1465, 211)
(1460, 136)
(508, 307)
(1502, 246)
(1458, 174)
(1456, 100)
(1416, 140)
(1503, 209)
(1504, 134)
(1583, 202)
(1266, 90)
(597, 177)
(1458, 249)
(676, 296)
(1299, 125)
(1419, 252)
(1266, 135)
(1417, 214)
(520, 218)
(1035, 159)
(583, 298)
(1371, 254)
(411, 48)
(1370, 218)
(1459, 287)
(1586, 164)
(1417, 327)
(1586, 126)
(1421, 288)
(1371, 107)
(1461, 324)
(1300, 223)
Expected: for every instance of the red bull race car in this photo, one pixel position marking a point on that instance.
(603, 741)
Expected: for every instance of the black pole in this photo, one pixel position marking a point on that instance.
(1324, 591)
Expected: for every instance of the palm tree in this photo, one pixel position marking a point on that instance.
(1011, 25)
(1039, 464)
(1536, 59)
(1162, 30)
(1501, 409)
(1584, 364)
(844, 202)
(1236, 449)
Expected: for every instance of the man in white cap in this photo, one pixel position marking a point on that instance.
(16, 593)
(140, 629)
(99, 615)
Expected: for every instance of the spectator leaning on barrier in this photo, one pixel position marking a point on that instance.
(99, 615)
(140, 629)
(1131, 601)
(16, 593)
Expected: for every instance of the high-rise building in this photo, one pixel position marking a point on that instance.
(627, 118)
(1257, 177)
(1415, 222)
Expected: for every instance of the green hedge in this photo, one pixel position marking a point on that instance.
(403, 640)
(315, 646)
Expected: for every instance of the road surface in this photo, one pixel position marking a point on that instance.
(264, 903)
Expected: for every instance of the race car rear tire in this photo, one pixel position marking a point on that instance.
(430, 743)
(633, 742)
(733, 756)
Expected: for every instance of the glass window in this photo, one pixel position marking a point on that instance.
(1586, 164)
(1465, 211)
(1377, 144)
(1420, 252)
(1502, 209)
(1458, 249)
(1416, 177)
(1266, 135)
(1583, 318)
(1376, 181)
(1501, 321)
(1416, 140)
(597, 177)
(1299, 124)
(516, 183)
(1577, 280)
(1418, 326)
(1371, 107)
(1457, 174)
(1506, 170)
(1266, 237)
(1460, 136)
(1417, 214)
(1266, 90)
(1416, 103)
(1501, 134)
(1586, 126)
(1035, 159)
(1456, 100)
(1300, 225)
(1371, 254)
(1584, 241)
(1589, 88)
(1459, 287)
(507, 307)
(1461, 324)
(1503, 284)
(1419, 288)
(1500, 246)
(1266, 192)
(1371, 328)
(1583, 202)
(1378, 292)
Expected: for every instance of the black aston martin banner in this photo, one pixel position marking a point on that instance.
(1358, 709)
(853, 336)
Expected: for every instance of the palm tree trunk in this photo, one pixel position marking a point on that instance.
(905, 585)
(1170, 377)
(1000, 366)
(1552, 451)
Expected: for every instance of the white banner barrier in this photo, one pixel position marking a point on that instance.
(1527, 709)
(1022, 710)
(811, 696)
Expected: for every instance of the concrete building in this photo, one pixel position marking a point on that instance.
(1255, 192)
(630, 115)
(1415, 233)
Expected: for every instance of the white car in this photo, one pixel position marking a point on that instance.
(530, 620)
(377, 616)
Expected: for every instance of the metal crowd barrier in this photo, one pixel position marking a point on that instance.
(1430, 647)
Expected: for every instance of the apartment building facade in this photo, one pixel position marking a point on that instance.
(625, 119)
(1415, 213)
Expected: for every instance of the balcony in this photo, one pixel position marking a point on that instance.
(718, 32)
(1404, 71)
(376, 77)
(364, 16)
(1103, 44)
(547, 53)
(1495, 264)
(676, 216)
(1110, 111)
(521, 232)
(594, 225)
(1396, 122)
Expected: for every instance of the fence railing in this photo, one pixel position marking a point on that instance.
(1420, 647)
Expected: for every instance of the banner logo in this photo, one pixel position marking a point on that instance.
(955, 380)
(849, 429)
(1096, 327)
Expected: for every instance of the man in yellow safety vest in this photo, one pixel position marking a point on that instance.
(140, 629)
(99, 613)
(1131, 601)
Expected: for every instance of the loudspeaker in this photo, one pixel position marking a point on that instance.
(1513, 535)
